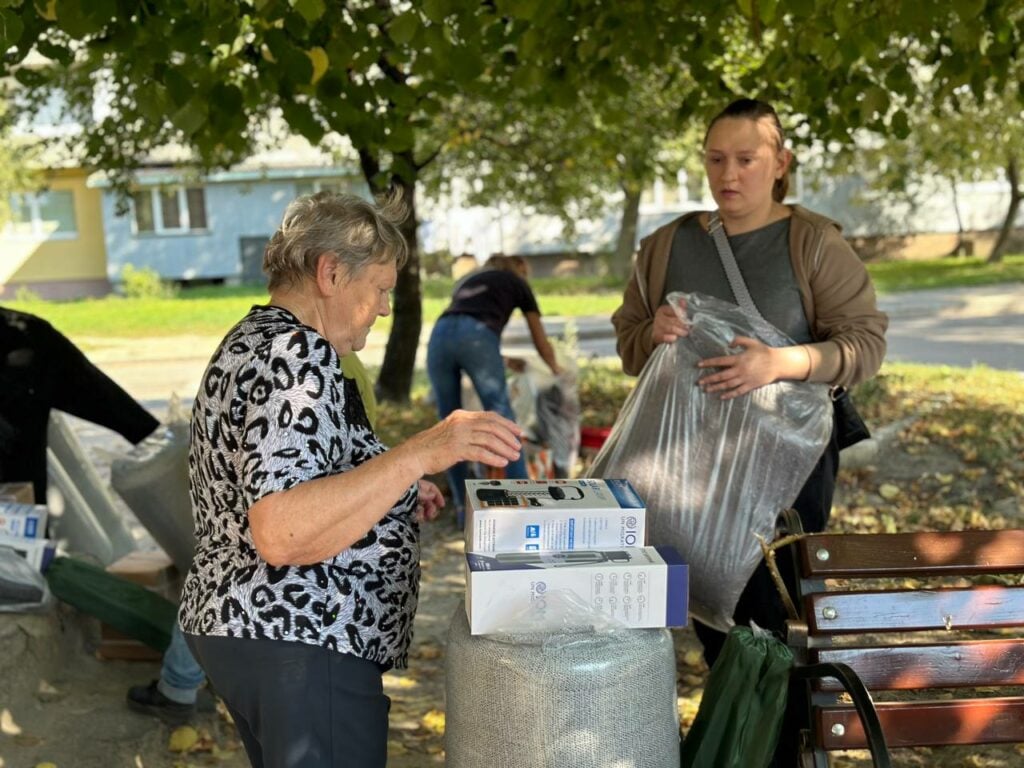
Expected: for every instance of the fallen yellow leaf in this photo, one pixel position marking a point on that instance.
(434, 721)
(888, 491)
(183, 739)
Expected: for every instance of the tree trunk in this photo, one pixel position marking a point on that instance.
(394, 383)
(622, 259)
(960, 249)
(1013, 174)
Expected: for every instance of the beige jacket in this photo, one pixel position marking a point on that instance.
(836, 291)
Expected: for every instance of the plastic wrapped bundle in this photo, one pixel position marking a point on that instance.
(585, 700)
(715, 473)
(153, 480)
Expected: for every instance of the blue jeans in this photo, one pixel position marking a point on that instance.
(180, 675)
(462, 343)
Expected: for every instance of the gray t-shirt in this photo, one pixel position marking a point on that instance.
(763, 259)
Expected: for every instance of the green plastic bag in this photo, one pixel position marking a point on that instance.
(124, 605)
(737, 725)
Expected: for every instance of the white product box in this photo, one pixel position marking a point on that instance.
(550, 591)
(551, 515)
(37, 552)
(27, 521)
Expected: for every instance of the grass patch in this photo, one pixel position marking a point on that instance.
(893, 276)
(211, 310)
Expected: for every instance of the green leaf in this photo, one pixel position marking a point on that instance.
(178, 86)
(520, 9)
(11, 28)
(437, 10)
(311, 10)
(191, 117)
(402, 28)
(900, 125)
(400, 137)
(291, 61)
(301, 118)
(969, 10)
(746, 8)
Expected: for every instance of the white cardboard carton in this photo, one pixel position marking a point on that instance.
(551, 591)
(27, 521)
(37, 552)
(552, 515)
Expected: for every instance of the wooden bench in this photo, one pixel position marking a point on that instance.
(923, 620)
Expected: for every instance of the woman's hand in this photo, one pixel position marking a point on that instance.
(431, 502)
(667, 326)
(741, 373)
(481, 436)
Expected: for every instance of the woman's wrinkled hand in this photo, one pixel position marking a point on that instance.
(430, 502)
(741, 373)
(481, 436)
(667, 326)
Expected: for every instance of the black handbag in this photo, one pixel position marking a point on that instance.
(849, 427)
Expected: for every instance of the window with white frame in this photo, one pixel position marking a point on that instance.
(169, 210)
(43, 214)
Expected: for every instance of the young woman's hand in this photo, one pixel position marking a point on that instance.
(740, 373)
(667, 326)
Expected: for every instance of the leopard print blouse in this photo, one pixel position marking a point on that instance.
(273, 411)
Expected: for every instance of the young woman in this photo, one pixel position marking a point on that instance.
(803, 277)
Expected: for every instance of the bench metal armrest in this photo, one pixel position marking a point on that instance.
(862, 702)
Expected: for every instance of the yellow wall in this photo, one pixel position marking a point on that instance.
(25, 259)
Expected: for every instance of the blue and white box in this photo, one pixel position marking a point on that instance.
(553, 515)
(632, 587)
(26, 521)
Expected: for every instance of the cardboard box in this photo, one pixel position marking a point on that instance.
(154, 570)
(22, 493)
(552, 515)
(549, 591)
(25, 520)
(37, 552)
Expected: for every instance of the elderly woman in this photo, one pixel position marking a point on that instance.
(306, 571)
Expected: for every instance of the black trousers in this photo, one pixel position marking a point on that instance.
(297, 705)
(761, 603)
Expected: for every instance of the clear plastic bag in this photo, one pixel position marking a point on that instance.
(560, 699)
(715, 473)
(22, 587)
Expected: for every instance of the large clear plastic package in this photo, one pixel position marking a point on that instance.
(22, 587)
(560, 700)
(715, 473)
(152, 478)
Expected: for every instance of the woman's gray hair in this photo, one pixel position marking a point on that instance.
(356, 231)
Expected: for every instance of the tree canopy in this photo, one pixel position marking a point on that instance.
(212, 74)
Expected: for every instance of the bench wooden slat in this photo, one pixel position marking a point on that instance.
(828, 556)
(974, 663)
(982, 607)
(930, 724)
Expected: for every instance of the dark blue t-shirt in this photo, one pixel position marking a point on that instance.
(491, 296)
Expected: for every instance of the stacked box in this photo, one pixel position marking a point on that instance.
(27, 521)
(22, 493)
(526, 591)
(549, 555)
(37, 552)
(535, 516)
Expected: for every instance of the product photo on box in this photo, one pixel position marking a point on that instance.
(536, 516)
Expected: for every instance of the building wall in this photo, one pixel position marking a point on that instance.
(238, 214)
(59, 265)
